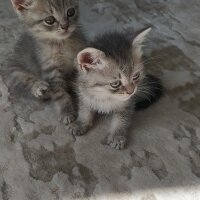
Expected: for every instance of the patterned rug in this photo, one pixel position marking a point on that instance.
(40, 160)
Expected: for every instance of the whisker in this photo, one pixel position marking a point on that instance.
(142, 96)
(147, 93)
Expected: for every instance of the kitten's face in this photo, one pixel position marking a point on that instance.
(122, 81)
(114, 80)
(103, 76)
(48, 19)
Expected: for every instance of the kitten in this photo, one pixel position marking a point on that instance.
(43, 59)
(112, 81)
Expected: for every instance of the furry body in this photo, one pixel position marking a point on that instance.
(43, 59)
(112, 81)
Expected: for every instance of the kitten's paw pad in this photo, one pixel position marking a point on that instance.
(117, 142)
(41, 90)
(75, 129)
(69, 118)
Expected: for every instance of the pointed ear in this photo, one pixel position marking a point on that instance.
(138, 42)
(21, 5)
(91, 58)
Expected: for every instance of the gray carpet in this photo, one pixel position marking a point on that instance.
(39, 160)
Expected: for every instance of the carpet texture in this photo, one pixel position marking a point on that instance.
(40, 160)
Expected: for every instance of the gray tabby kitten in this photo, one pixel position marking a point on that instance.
(43, 59)
(111, 78)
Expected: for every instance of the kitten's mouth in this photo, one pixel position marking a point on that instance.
(126, 97)
(123, 97)
(64, 33)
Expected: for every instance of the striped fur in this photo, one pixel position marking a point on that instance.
(112, 81)
(43, 58)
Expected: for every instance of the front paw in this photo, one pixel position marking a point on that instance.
(75, 129)
(40, 90)
(117, 141)
(69, 118)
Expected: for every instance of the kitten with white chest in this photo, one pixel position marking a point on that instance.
(112, 81)
(43, 59)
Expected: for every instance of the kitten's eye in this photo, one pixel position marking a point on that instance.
(116, 84)
(71, 12)
(50, 20)
(136, 76)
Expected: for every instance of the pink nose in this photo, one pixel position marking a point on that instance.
(130, 90)
(64, 26)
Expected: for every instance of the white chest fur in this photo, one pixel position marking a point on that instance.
(99, 103)
(59, 54)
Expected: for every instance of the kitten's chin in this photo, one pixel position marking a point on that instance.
(63, 36)
(124, 98)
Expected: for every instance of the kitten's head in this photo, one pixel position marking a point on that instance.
(48, 19)
(114, 67)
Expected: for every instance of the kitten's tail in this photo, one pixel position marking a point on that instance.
(149, 92)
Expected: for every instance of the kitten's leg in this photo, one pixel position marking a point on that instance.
(63, 104)
(120, 124)
(59, 95)
(83, 122)
(39, 88)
